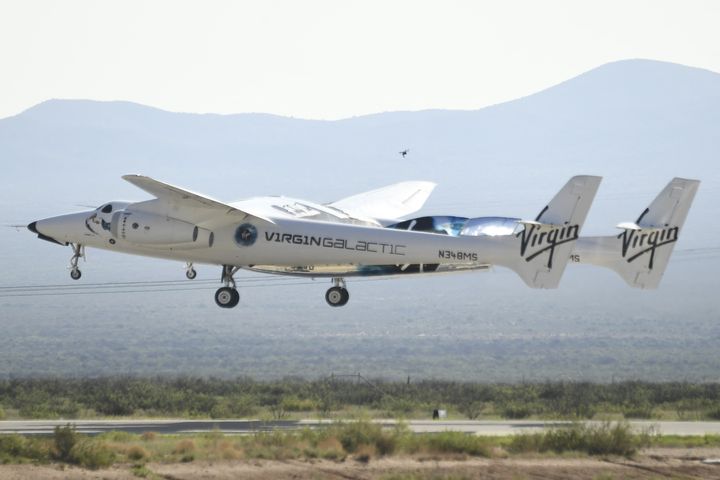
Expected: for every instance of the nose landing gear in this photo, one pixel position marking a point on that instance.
(190, 272)
(338, 295)
(78, 253)
(227, 296)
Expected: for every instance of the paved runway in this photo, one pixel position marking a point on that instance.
(500, 427)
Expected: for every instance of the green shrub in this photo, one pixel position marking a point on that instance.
(516, 411)
(458, 442)
(12, 445)
(527, 442)
(2, 413)
(400, 406)
(37, 449)
(471, 409)
(64, 440)
(606, 438)
(355, 435)
(118, 436)
(294, 404)
(565, 439)
(386, 443)
(714, 413)
(16, 448)
(92, 454)
(141, 471)
(641, 410)
(136, 452)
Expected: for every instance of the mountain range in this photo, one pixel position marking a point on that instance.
(637, 123)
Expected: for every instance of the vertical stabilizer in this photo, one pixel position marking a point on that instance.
(640, 253)
(543, 246)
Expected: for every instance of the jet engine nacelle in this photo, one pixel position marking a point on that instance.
(153, 230)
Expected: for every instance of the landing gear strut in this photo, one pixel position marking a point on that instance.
(227, 296)
(337, 295)
(78, 253)
(190, 272)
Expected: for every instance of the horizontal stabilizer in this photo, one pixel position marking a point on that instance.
(628, 226)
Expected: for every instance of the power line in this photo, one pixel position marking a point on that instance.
(18, 291)
(137, 283)
(40, 292)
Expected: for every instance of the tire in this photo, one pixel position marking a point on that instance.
(236, 298)
(75, 274)
(337, 296)
(346, 297)
(227, 297)
(191, 274)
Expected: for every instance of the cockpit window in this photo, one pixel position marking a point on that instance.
(107, 208)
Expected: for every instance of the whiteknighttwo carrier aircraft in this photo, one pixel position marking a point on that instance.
(365, 235)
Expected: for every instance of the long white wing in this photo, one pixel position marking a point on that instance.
(179, 199)
(387, 203)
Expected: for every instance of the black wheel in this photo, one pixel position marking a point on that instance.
(337, 296)
(191, 274)
(227, 297)
(75, 274)
(346, 296)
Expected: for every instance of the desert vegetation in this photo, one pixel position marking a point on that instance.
(191, 397)
(356, 440)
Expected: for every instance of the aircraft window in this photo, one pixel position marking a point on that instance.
(107, 208)
(490, 226)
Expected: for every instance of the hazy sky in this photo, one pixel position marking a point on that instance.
(331, 59)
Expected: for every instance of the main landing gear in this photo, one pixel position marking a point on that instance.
(78, 253)
(227, 296)
(337, 296)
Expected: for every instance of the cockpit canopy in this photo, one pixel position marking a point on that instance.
(111, 207)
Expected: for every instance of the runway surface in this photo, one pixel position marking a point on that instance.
(500, 427)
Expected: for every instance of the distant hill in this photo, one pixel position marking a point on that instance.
(638, 123)
(633, 121)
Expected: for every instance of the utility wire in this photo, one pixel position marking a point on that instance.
(39, 292)
(15, 291)
(138, 283)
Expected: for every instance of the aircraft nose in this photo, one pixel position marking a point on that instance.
(62, 229)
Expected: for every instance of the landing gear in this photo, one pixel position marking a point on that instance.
(227, 296)
(337, 296)
(190, 272)
(78, 253)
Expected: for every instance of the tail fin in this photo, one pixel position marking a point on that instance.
(641, 252)
(545, 243)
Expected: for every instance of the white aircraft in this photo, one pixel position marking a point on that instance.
(364, 235)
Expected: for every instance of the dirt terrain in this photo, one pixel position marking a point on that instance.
(651, 464)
